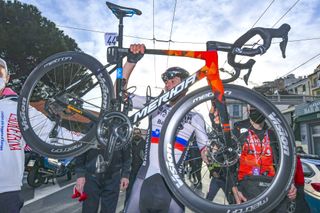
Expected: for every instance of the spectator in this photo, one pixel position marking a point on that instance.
(218, 181)
(257, 160)
(11, 147)
(195, 163)
(138, 146)
(218, 174)
(102, 185)
(300, 203)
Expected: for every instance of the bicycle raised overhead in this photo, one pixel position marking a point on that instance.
(72, 92)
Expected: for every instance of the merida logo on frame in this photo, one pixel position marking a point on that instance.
(164, 98)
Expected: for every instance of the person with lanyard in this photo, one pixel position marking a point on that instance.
(258, 157)
(99, 185)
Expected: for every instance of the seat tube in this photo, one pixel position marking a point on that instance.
(119, 66)
(224, 119)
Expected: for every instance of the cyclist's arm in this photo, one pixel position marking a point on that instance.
(201, 135)
(127, 70)
(136, 53)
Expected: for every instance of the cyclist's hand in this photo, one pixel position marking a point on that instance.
(204, 155)
(80, 184)
(238, 196)
(136, 53)
(292, 192)
(124, 183)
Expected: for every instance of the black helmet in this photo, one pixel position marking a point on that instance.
(173, 72)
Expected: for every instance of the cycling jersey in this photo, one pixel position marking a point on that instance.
(193, 123)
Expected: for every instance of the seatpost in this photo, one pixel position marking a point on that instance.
(119, 66)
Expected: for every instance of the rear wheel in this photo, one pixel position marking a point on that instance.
(237, 101)
(61, 102)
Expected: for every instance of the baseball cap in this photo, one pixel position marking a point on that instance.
(4, 64)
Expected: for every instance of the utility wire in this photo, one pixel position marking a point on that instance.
(294, 4)
(263, 13)
(154, 44)
(172, 22)
(310, 59)
(285, 13)
(181, 42)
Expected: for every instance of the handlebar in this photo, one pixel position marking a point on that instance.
(267, 34)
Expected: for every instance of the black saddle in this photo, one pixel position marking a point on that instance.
(121, 12)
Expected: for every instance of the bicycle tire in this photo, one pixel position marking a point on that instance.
(191, 197)
(71, 133)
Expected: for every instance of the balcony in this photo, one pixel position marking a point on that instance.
(291, 99)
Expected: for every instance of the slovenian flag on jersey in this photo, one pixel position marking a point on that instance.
(180, 143)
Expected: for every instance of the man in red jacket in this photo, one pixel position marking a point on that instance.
(299, 203)
(256, 163)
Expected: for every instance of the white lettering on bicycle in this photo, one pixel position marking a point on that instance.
(210, 94)
(146, 149)
(250, 208)
(23, 115)
(66, 149)
(164, 98)
(169, 161)
(104, 89)
(282, 133)
(57, 60)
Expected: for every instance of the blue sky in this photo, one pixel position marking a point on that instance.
(195, 21)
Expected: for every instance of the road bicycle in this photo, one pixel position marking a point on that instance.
(74, 95)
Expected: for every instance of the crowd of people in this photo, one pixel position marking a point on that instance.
(135, 168)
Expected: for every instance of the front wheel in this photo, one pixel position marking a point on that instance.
(61, 102)
(223, 168)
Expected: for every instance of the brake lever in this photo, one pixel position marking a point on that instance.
(283, 45)
(249, 66)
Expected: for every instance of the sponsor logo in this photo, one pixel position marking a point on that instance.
(66, 149)
(13, 133)
(146, 149)
(164, 98)
(2, 131)
(23, 116)
(283, 135)
(57, 60)
(210, 94)
(170, 165)
(104, 90)
(250, 208)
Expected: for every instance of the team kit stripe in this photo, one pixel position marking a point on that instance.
(180, 143)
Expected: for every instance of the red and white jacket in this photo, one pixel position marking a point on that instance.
(11, 144)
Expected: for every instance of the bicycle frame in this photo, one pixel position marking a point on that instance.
(209, 71)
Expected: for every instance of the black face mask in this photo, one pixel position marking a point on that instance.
(256, 116)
